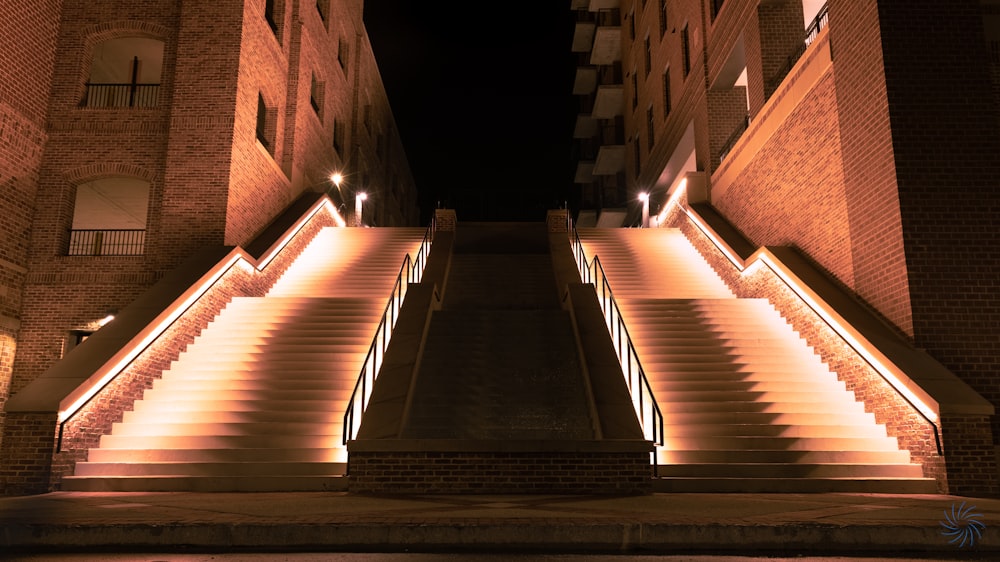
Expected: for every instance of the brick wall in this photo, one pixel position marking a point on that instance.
(945, 149)
(792, 192)
(27, 56)
(781, 33)
(869, 166)
(727, 110)
(499, 473)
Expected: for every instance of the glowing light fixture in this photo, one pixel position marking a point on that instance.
(358, 200)
(644, 197)
(108, 318)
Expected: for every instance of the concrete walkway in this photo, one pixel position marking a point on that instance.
(737, 524)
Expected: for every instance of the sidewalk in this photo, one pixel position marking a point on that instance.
(778, 524)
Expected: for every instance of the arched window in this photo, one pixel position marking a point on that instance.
(125, 72)
(109, 217)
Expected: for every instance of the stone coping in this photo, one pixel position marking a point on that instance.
(500, 446)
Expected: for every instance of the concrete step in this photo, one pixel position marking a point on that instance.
(262, 385)
(180, 404)
(805, 417)
(220, 441)
(751, 469)
(772, 430)
(818, 384)
(817, 405)
(836, 399)
(284, 483)
(666, 456)
(852, 485)
(208, 468)
(178, 428)
(753, 443)
(253, 416)
(344, 370)
(225, 455)
(255, 395)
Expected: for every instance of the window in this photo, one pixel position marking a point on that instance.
(269, 15)
(343, 53)
(109, 217)
(338, 137)
(125, 72)
(648, 58)
(264, 126)
(635, 91)
(666, 92)
(663, 17)
(649, 129)
(636, 159)
(685, 51)
(316, 96)
(716, 5)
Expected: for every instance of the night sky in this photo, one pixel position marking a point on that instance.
(483, 102)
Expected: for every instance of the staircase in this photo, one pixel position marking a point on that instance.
(256, 402)
(747, 405)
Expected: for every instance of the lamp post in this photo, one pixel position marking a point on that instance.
(358, 199)
(644, 197)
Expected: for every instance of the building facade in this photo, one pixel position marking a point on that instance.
(862, 133)
(132, 135)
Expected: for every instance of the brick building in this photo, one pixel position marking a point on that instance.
(134, 134)
(861, 133)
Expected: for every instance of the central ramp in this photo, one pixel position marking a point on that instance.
(501, 359)
(500, 401)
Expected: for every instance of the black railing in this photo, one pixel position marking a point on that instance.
(121, 95)
(106, 242)
(410, 272)
(819, 22)
(646, 409)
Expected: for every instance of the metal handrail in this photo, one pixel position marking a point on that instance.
(643, 401)
(411, 271)
(376, 353)
(420, 261)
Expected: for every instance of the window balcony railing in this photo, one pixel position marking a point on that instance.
(106, 242)
(121, 95)
(818, 24)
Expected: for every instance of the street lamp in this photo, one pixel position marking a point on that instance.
(361, 196)
(644, 197)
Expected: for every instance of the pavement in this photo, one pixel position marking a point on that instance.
(877, 525)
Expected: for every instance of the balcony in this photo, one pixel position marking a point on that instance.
(609, 102)
(607, 46)
(129, 242)
(583, 37)
(585, 81)
(585, 128)
(610, 160)
(584, 172)
(599, 5)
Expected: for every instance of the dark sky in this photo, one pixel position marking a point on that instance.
(483, 101)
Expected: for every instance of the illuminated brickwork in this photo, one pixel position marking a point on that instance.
(499, 473)
(193, 140)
